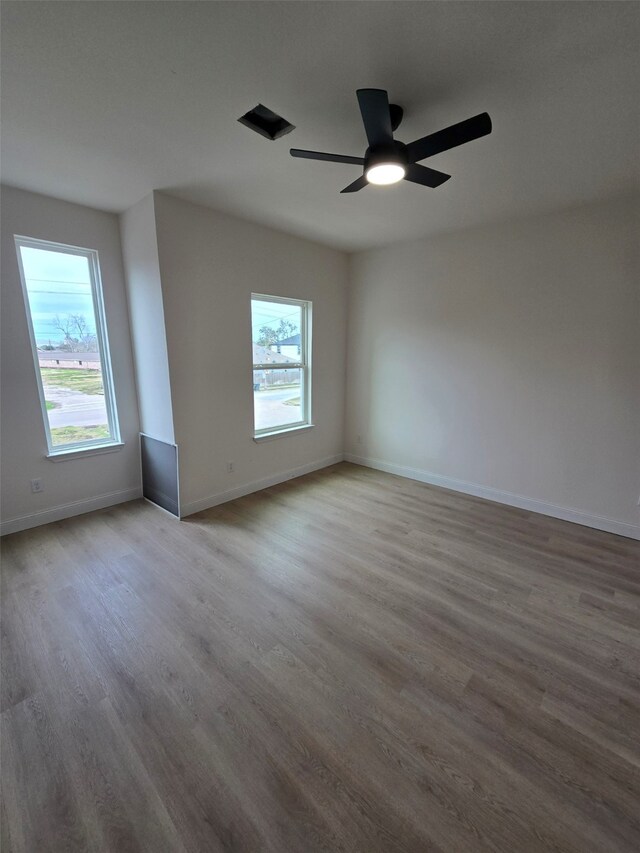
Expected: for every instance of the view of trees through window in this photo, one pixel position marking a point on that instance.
(279, 362)
(59, 292)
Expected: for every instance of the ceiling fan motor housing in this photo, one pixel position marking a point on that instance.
(396, 114)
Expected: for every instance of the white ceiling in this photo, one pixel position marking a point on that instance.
(103, 102)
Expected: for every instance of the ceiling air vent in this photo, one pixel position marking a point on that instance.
(265, 122)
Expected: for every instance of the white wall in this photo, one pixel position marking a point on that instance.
(209, 265)
(77, 484)
(506, 360)
(144, 293)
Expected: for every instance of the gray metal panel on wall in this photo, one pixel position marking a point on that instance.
(160, 473)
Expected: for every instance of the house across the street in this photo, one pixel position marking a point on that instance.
(267, 378)
(289, 346)
(69, 360)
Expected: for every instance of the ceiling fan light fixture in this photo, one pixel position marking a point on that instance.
(383, 174)
(387, 160)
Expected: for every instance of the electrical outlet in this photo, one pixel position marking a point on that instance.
(36, 486)
(229, 467)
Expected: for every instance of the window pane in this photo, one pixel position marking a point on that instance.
(277, 398)
(60, 298)
(276, 328)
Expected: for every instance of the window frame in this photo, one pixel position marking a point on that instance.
(303, 364)
(95, 444)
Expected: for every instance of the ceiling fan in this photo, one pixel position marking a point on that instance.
(386, 160)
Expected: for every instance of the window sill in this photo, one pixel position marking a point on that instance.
(79, 452)
(279, 433)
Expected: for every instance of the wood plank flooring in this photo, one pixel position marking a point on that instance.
(349, 661)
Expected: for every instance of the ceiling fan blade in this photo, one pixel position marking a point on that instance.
(321, 155)
(425, 176)
(376, 116)
(356, 185)
(450, 137)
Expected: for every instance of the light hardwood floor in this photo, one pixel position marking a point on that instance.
(350, 661)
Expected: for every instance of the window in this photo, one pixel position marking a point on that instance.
(281, 338)
(65, 313)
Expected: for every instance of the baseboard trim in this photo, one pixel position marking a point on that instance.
(621, 528)
(57, 513)
(610, 525)
(257, 485)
